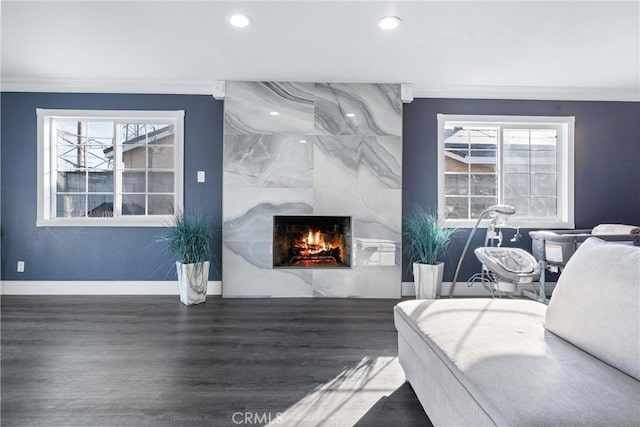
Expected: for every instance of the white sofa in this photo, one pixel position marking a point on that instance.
(512, 362)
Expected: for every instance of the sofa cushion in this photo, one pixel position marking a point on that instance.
(514, 372)
(596, 303)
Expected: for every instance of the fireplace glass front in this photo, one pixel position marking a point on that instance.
(311, 241)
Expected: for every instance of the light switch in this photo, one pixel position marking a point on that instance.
(200, 176)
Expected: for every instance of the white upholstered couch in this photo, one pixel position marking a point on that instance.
(511, 362)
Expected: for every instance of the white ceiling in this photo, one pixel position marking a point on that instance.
(503, 49)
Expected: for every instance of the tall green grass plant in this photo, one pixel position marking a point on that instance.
(188, 239)
(428, 238)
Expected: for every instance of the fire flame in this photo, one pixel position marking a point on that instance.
(312, 249)
(315, 243)
(315, 239)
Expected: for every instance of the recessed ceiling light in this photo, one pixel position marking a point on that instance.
(389, 22)
(350, 115)
(302, 141)
(274, 113)
(239, 21)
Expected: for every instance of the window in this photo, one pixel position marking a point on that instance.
(109, 168)
(526, 162)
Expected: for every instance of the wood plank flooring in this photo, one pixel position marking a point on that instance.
(150, 361)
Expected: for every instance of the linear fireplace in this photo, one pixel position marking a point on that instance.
(311, 241)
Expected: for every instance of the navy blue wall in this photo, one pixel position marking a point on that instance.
(100, 253)
(607, 179)
(607, 161)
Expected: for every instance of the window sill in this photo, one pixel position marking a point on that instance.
(156, 221)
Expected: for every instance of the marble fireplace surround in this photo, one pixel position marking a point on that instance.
(332, 149)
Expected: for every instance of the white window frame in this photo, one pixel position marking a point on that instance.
(46, 214)
(565, 161)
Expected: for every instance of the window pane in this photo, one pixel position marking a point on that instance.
(456, 185)
(160, 157)
(456, 161)
(70, 157)
(516, 161)
(479, 204)
(100, 181)
(543, 139)
(543, 161)
(456, 137)
(543, 185)
(100, 129)
(456, 207)
(160, 182)
(164, 135)
(67, 127)
(100, 205)
(516, 139)
(483, 185)
(84, 144)
(160, 205)
(516, 185)
(134, 157)
(133, 182)
(98, 157)
(71, 139)
(543, 207)
(521, 204)
(147, 133)
(71, 182)
(482, 137)
(70, 205)
(483, 161)
(133, 204)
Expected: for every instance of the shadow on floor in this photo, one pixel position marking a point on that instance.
(401, 408)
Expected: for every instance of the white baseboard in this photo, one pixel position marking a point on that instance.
(45, 287)
(462, 290)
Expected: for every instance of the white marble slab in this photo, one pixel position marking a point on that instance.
(358, 109)
(379, 206)
(241, 278)
(372, 162)
(248, 108)
(358, 283)
(238, 201)
(268, 161)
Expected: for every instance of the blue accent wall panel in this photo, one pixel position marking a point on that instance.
(607, 180)
(607, 162)
(100, 253)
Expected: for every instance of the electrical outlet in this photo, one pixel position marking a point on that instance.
(20, 266)
(200, 176)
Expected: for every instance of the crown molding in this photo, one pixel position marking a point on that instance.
(107, 86)
(527, 93)
(206, 87)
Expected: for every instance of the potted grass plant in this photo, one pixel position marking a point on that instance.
(428, 241)
(188, 240)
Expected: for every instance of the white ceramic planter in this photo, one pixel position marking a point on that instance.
(193, 279)
(428, 280)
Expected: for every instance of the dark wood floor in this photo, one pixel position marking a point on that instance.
(150, 361)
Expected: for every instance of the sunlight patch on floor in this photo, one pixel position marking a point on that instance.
(347, 397)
